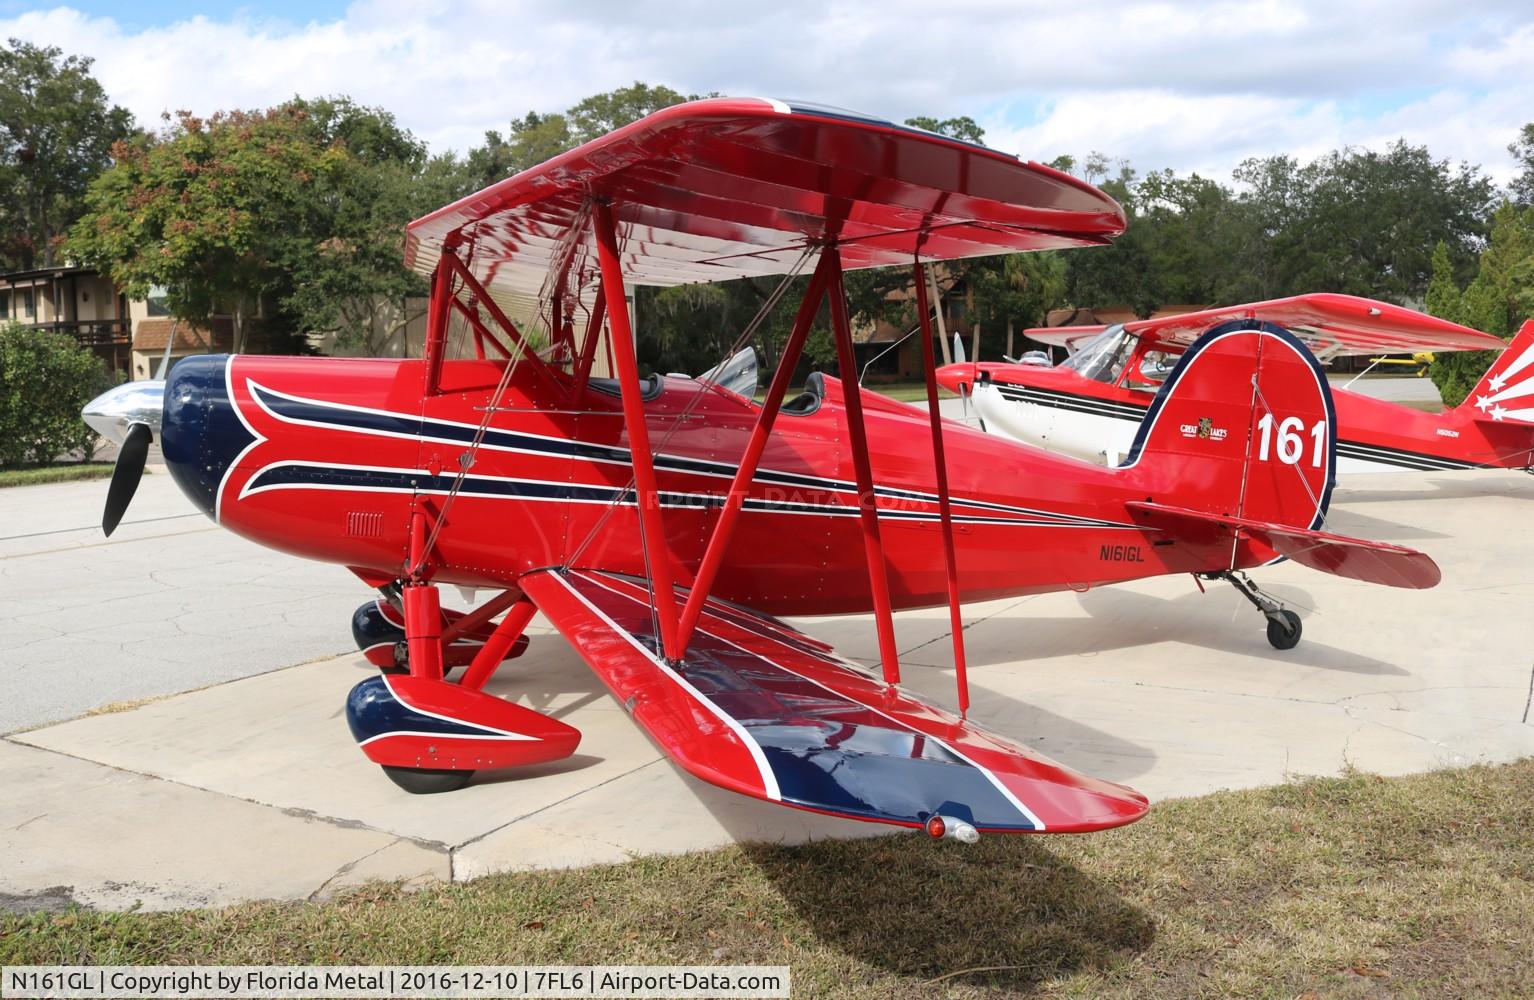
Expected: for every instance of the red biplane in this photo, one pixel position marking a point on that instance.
(660, 523)
(1091, 404)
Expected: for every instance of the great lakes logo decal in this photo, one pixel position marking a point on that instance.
(1204, 430)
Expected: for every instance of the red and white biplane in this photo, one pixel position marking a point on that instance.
(1091, 404)
(660, 523)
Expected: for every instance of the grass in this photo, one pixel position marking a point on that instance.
(1357, 886)
(117, 707)
(905, 392)
(908, 392)
(55, 473)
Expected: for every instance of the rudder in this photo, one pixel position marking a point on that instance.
(1244, 426)
(1505, 393)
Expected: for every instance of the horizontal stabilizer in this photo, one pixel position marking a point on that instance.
(761, 709)
(1354, 558)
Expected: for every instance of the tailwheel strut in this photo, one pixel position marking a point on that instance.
(1284, 626)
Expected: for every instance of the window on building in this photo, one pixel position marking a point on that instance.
(156, 301)
(5, 304)
(28, 306)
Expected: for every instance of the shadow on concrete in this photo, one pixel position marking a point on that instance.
(1345, 521)
(1122, 620)
(1005, 913)
(1512, 483)
(1069, 741)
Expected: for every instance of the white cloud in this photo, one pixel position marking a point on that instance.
(1186, 85)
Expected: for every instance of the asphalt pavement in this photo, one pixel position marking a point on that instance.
(169, 603)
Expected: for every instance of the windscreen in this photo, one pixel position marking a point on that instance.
(737, 374)
(1104, 356)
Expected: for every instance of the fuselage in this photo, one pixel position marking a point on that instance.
(328, 458)
(1064, 412)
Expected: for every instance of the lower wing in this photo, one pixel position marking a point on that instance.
(765, 710)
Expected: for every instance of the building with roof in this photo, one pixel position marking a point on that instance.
(130, 336)
(78, 301)
(153, 331)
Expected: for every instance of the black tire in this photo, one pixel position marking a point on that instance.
(1284, 631)
(427, 781)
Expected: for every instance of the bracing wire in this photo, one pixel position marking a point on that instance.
(750, 331)
(1297, 470)
(467, 458)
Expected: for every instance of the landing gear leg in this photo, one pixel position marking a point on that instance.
(378, 626)
(1283, 625)
(393, 594)
(430, 735)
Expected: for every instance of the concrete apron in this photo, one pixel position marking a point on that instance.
(254, 789)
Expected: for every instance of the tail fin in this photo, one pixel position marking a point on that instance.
(1243, 427)
(1506, 392)
(1237, 456)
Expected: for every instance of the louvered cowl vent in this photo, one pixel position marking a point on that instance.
(364, 524)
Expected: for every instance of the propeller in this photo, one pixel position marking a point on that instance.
(128, 414)
(126, 474)
(959, 358)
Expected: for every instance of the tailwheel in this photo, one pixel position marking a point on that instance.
(1284, 629)
(425, 780)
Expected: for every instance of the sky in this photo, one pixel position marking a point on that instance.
(1194, 86)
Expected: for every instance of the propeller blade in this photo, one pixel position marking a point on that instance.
(125, 475)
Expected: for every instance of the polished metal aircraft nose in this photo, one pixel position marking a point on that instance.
(120, 407)
(129, 416)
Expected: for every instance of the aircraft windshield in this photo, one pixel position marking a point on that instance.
(1103, 357)
(737, 374)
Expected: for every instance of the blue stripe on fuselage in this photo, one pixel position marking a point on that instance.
(320, 413)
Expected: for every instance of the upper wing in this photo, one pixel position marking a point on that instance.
(1355, 558)
(763, 710)
(1069, 337)
(728, 187)
(1330, 325)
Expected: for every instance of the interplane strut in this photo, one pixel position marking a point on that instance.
(945, 512)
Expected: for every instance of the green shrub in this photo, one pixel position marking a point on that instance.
(45, 379)
(1456, 373)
